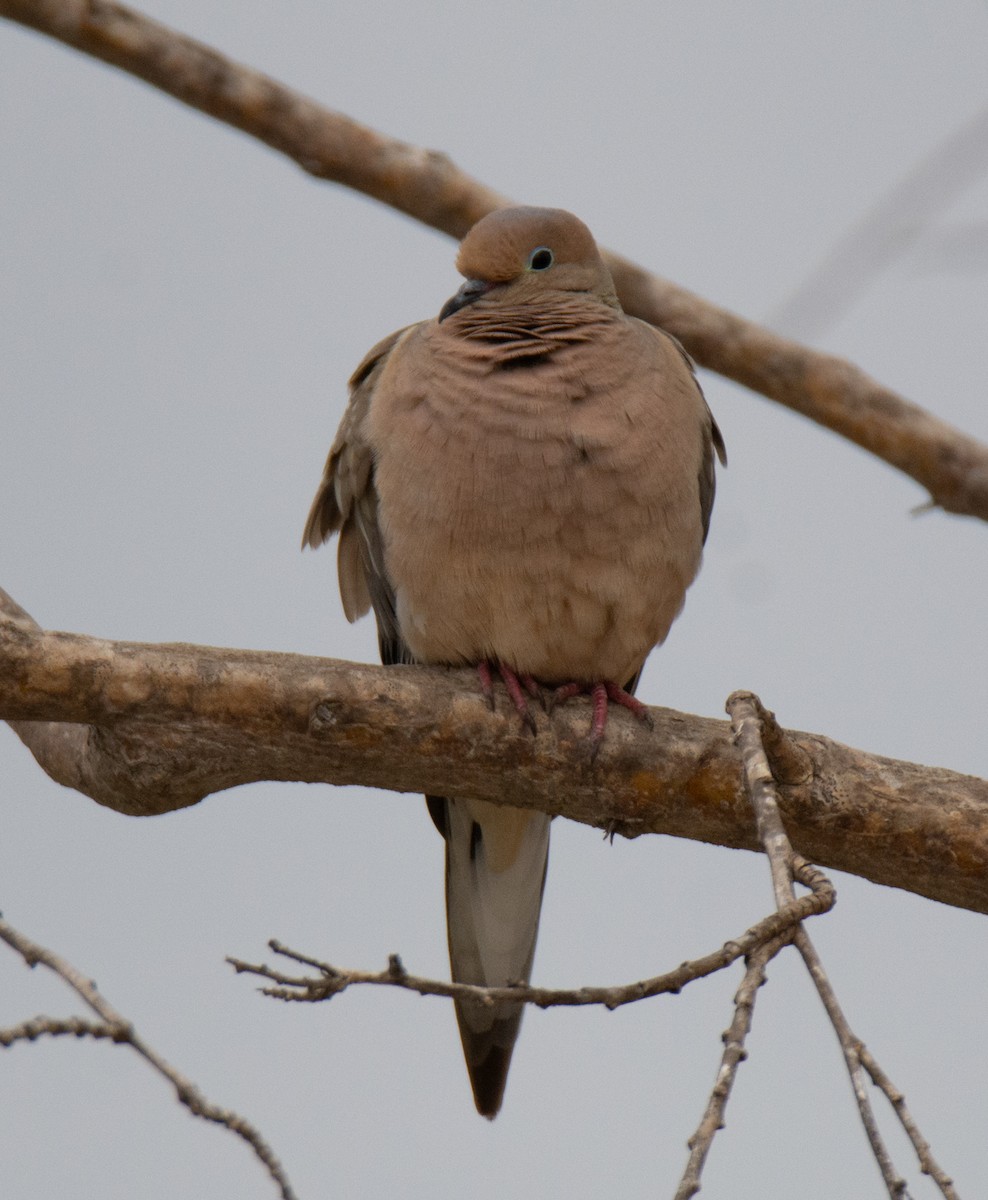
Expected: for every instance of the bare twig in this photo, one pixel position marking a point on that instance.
(332, 980)
(928, 1164)
(758, 945)
(146, 729)
(114, 1026)
(896, 1185)
(747, 715)
(734, 1054)
(950, 465)
(36, 1027)
(789, 761)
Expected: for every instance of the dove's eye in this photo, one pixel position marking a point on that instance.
(540, 259)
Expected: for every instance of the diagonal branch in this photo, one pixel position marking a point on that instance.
(734, 1054)
(891, 227)
(146, 729)
(428, 186)
(117, 1028)
(748, 718)
(734, 1037)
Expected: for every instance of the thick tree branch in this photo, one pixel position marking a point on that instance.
(147, 729)
(426, 185)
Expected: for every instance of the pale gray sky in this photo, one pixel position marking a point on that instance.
(180, 309)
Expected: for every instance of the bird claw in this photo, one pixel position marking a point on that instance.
(601, 695)
(531, 686)
(486, 682)
(516, 687)
(617, 695)
(564, 693)
(523, 687)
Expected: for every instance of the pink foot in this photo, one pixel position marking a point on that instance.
(601, 694)
(516, 688)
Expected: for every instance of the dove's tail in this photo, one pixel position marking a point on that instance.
(496, 861)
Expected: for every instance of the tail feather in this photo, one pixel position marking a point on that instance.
(496, 859)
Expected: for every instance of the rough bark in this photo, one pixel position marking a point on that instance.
(426, 185)
(150, 728)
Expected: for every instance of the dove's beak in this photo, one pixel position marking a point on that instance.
(472, 290)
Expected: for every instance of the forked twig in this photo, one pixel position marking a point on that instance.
(755, 729)
(792, 764)
(116, 1027)
(758, 945)
(747, 718)
(735, 1035)
(332, 980)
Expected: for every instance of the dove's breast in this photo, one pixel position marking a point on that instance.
(542, 510)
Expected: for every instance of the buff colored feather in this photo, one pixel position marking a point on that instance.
(525, 480)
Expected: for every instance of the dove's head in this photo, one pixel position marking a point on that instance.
(523, 253)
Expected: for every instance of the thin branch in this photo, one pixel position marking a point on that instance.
(36, 1027)
(927, 1162)
(735, 1036)
(331, 981)
(426, 185)
(114, 1026)
(896, 1185)
(146, 729)
(747, 715)
(889, 228)
(734, 1054)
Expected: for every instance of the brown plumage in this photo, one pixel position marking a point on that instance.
(525, 481)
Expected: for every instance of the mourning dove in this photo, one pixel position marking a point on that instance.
(523, 483)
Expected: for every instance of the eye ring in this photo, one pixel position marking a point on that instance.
(541, 259)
